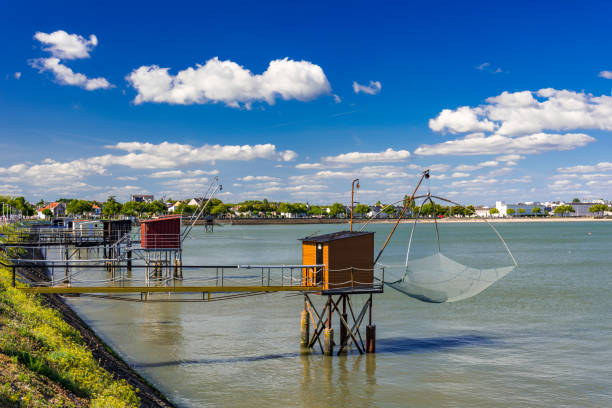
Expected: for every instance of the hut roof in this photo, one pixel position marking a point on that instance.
(334, 236)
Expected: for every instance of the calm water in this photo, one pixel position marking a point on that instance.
(541, 337)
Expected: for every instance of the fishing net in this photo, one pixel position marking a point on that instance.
(437, 278)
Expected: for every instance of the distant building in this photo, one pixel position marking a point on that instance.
(376, 211)
(503, 208)
(58, 209)
(142, 198)
(580, 209)
(196, 201)
(172, 208)
(482, 211)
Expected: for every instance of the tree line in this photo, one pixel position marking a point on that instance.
(112, 208)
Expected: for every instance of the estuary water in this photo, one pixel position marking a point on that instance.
(540, 337)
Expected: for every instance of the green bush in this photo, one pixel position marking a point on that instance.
(41, 340)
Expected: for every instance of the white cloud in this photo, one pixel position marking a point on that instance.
(459, 174)
(606, 74)
(288, 155)
(433, 168)
(229, 83)
(308, 166)
(334, 174)
(496, 144)
(526, 112)
(486, 66)
(500, 171)
(602, 166)
(524, 179)
(127, 178)
(67, 46)
(258, 178)
(172, 155)
(372, 89)
(17, 75)
(180, 173)
(65, 76)
(52, 172)
(564, 185)
(477, 181)
(510, 158)
(384, 172)
(388, 155)
(461, 120)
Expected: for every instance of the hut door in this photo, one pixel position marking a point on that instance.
(319, 262)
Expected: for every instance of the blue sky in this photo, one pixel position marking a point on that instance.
(503, 101)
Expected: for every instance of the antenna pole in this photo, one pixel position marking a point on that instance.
(406, 205)
(352, 197)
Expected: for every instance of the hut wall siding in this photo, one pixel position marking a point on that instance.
(355, 252)
(161, 233)
(339, 256)
(309, 257)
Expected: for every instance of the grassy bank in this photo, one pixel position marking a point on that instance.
(44, 361)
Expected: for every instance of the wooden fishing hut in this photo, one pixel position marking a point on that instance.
(160, 238)
(114, 230)
(348, 258)
(114, 234)
(345, 267)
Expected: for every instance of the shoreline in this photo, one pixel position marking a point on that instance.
(298, 221)
(106, 356)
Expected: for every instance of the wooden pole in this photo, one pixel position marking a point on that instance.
(370, 332)
(305, 327)
(343, 329)
(352, 195)
(328, 333)
(425, 175)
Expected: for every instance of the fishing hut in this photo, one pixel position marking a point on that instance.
(349, 270)
(160, 239)
(115, 234)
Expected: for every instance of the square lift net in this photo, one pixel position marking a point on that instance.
(437, 278)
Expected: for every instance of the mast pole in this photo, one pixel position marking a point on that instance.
(406, 205)
(352, 197)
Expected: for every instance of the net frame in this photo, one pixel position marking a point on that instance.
(430, 295)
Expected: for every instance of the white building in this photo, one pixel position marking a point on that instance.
(580, 209)
(520, 209)
(196, 201)
(174, 206)
(482, 211)
(142, 198)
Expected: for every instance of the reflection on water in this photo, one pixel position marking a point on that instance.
(537, 338)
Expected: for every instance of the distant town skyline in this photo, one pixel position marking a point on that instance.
(292, 102)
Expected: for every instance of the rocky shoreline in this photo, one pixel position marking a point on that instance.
(107, 358)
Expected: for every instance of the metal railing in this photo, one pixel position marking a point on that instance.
(156, 273)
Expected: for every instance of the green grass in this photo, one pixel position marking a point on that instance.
(42, 341)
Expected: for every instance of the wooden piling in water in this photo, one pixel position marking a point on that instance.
(328, 342)
(304, 329)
